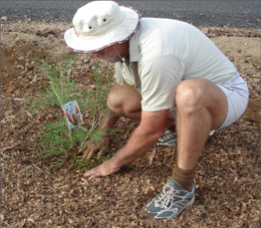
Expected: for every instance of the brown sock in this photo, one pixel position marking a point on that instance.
(184, 177)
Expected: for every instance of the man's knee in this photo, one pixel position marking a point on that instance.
(123, 99)
(189, 96)
(114, 101)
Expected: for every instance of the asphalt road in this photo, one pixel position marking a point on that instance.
(200, 13)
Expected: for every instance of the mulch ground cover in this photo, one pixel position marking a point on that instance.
(32, 195)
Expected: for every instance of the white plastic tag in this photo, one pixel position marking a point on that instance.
(73, 114)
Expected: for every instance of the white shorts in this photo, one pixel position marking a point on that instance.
(236, 91)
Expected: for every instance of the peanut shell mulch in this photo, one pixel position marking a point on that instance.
(228, 174)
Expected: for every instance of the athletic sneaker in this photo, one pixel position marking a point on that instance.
(168, 139)
(170, 202)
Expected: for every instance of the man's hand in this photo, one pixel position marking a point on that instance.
(105, 169)
(92, 147)
(145, 135)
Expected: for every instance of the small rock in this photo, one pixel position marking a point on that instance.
(31, 220)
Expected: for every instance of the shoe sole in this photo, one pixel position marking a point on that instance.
(188, 205)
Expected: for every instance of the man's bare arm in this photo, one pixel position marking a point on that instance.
(152, 127)
(109, 121)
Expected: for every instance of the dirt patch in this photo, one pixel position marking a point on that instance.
(228, 175)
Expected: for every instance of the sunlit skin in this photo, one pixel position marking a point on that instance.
(201, 106)
(110, 54)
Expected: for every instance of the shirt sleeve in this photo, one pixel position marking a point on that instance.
(159, 80)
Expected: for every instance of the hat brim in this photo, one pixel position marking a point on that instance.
(128, 27)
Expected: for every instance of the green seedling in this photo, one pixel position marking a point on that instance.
(57, 140)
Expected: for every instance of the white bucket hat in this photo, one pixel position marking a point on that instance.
(100, 24)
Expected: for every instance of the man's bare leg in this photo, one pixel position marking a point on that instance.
(201, 106)
(124, 100)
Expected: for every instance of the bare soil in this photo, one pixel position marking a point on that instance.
(228, 174)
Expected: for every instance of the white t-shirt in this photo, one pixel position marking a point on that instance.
(162, 54)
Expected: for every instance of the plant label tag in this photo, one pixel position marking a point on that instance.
(73, 114)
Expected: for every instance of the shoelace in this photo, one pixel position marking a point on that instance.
(166, 199)
(168, 135)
